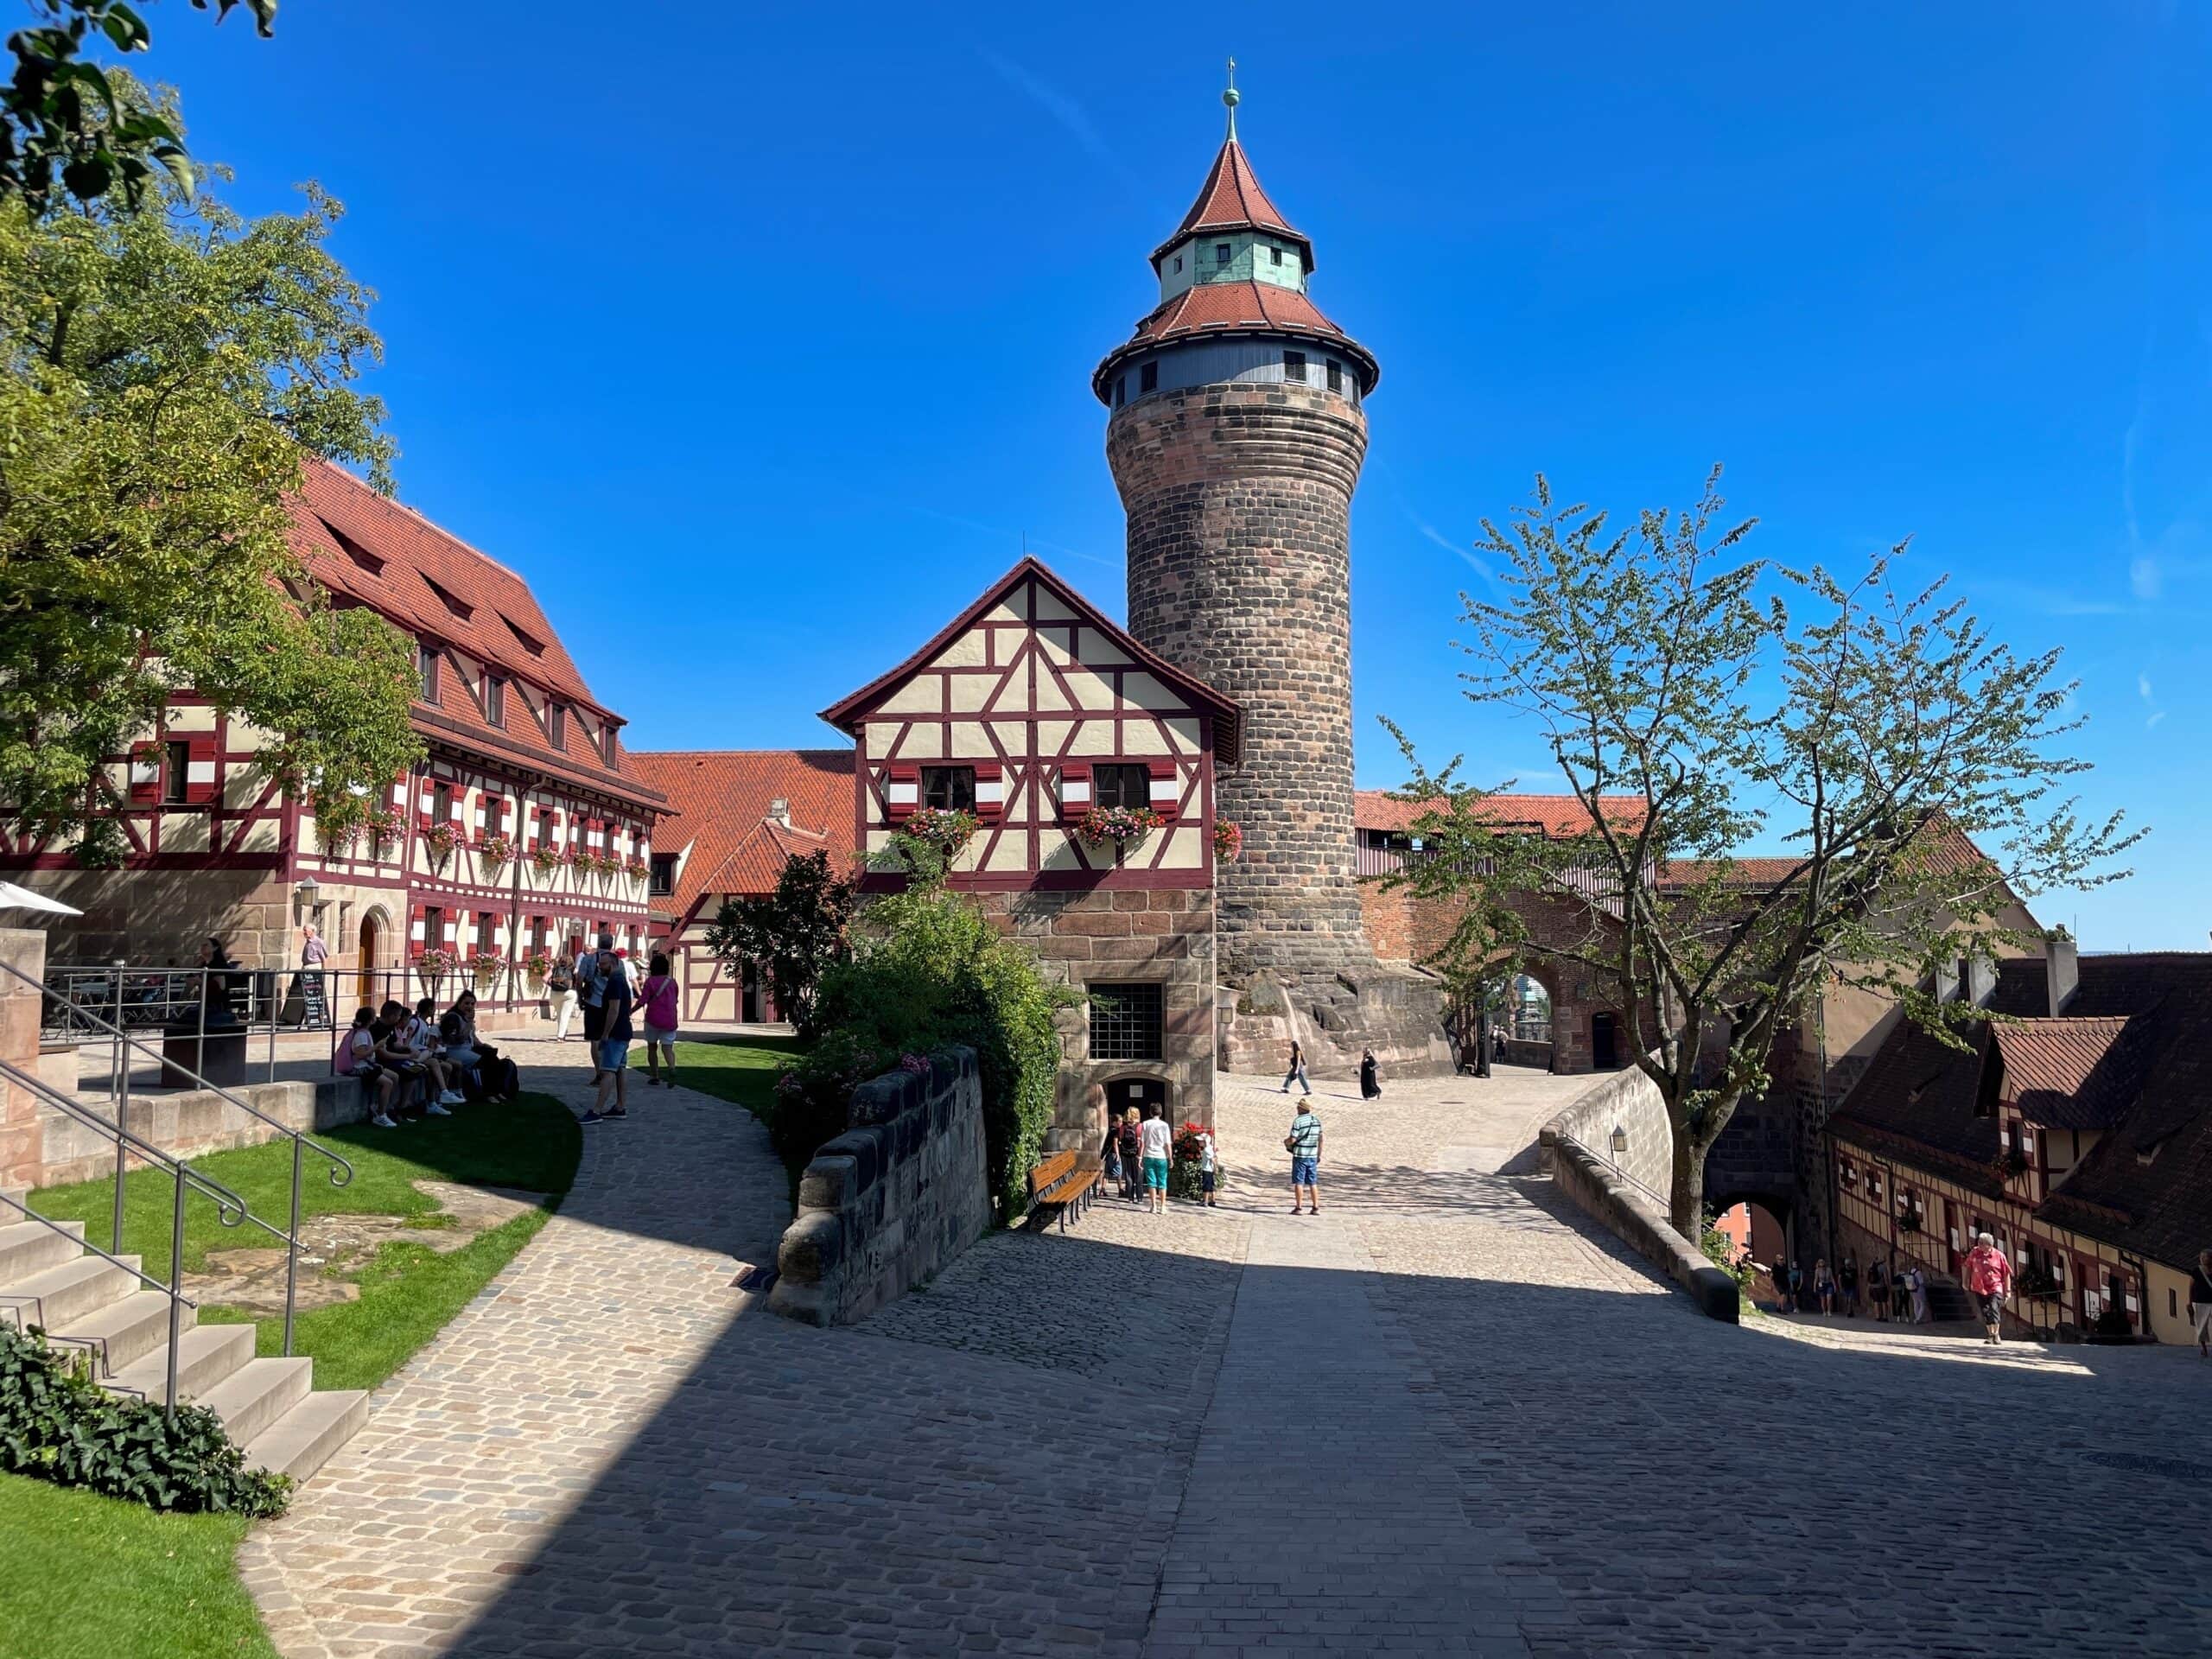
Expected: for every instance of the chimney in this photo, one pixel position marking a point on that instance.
(780, 811)
(2062, 968)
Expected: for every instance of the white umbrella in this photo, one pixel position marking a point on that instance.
(15, 898)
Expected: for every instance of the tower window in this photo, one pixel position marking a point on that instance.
(1148, 378)
(1120, 387)
(1294, 365)
(1276, 255)
(1178, 262)
(1221, 253)
(1335, 375)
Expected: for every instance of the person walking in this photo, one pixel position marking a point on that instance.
(1916, 1282)
(1824, 1286)
(1297, 1072)
(1793, 1298)
(656, 999)
(1158, 1139)
(611, 1058)
(2200, 1303)
(1132, 1150)
(1901, 1294)
(1370, 1084)
(1303, 1143)
(1989, 1278)
(1878, 1290)
(560, 987)
(1109, 1150)
(595, 972)
(1847, 1281)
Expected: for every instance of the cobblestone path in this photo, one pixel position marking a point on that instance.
(1442, 1417)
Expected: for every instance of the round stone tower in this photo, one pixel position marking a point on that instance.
(1236, 439)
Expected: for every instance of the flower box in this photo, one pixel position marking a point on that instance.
(1121, 827)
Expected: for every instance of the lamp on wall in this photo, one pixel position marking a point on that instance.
(1619, 1141)
(308, 892)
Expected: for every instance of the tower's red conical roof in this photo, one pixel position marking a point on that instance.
(1231, 199)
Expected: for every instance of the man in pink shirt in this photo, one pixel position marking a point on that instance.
(1989, 1277)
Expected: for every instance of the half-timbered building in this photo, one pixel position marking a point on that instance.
(2074, 1128)
(734, 818)
(1027, 711)
(526, 823)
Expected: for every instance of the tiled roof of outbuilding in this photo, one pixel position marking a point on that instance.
(718, 803)
(366, 549)
(1556, 815)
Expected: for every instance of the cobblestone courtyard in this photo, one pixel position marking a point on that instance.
(1442, 1417)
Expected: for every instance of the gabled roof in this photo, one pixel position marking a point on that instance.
(1231, 199)
(366, 549)
(1556, 817)
(846, 714)
(718, 806)
(2070, 1073)
(1733, 872)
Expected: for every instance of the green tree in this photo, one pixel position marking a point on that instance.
(1906, 760)
(796, 933)
(165, 370)
(60, 113)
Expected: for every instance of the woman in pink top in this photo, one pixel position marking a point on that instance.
(657, 1001)
(1989, 1277)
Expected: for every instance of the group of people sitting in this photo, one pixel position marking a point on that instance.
(419, 1063)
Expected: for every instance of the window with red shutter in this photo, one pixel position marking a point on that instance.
(902, 790)
(199, 778)
(146, 771)
(1167, 788)
(990, 791)
(1075, 789)
(418, 924)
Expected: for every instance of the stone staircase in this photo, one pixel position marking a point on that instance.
(82, 1301)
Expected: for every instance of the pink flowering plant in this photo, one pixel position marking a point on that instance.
(945, 831)
(546, 856)
(1227, 839)
(1121, 827)
(441, 839)
(489, 965)
(435, 962)
(495, 849)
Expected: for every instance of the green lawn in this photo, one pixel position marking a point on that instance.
(84, 1577)
(408, 1290)
(743, 1071)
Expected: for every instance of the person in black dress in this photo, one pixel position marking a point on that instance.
(1370, 1085)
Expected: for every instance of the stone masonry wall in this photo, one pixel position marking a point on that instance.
(1239, 503)
(152, 917)
(22, 1124)
(1161, 935)
(888, 1204)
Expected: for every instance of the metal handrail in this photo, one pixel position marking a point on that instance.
(341, 1172)
(113, 1260)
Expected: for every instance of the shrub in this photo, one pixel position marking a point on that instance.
(57, 1424)
(927, 970)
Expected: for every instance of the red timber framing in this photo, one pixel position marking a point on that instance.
(1035, 691)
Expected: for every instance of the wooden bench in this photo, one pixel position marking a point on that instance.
(1065, 1179)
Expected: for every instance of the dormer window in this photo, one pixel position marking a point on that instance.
(1293, 366)
(606, 744)
(460, 606)
(495, 700)
(1221, 253)
(1274, 255)
(1148, 378)
(426, 666)
(1178, 262)
(557, 727)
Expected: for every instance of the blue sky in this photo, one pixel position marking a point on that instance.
(760, 349)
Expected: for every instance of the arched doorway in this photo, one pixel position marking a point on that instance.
(1605, 1055)
(371, 944)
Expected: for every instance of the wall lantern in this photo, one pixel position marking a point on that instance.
(1620, 1142)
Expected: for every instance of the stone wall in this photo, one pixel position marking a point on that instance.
(153, 917)
(187, 1122)
(1160, 936)
(1627, 1191)
(22, 1125)
(887, 1205)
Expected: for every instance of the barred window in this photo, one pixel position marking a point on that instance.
(1125, 1022)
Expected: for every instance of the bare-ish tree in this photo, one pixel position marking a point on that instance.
(1696, 699)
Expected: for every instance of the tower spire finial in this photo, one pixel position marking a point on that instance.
(1228, 97)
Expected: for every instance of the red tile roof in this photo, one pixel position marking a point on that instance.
(1231, 199)
(1734, 873)
(718, 808)
(2070, 1073)
(1241, 308)
(1556, 815)
(365, 548)
(848, 712)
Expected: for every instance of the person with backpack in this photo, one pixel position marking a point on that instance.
(1878, 1290)
(419, 1032)
(1130, 1143)
(657, 1001)
(560, 987)
(500, 1079)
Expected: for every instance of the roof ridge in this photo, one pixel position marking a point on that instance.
(435, 528)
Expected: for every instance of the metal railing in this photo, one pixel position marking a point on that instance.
(230, 1210)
